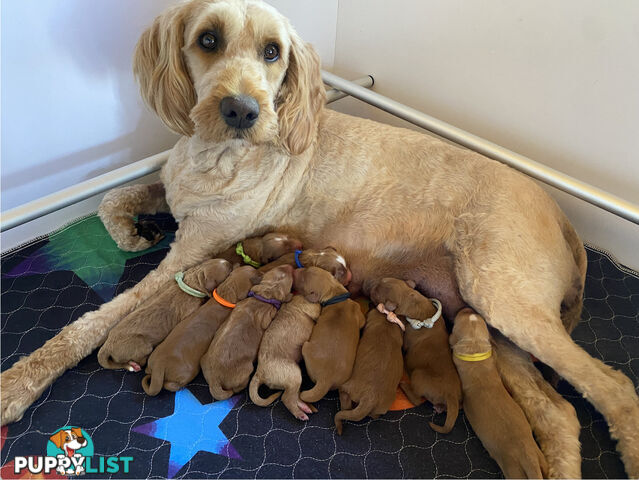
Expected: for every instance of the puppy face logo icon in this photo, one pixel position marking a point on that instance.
(71, 446)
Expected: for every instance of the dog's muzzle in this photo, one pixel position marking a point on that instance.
(240, 111)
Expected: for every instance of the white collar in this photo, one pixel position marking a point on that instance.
(429, 322)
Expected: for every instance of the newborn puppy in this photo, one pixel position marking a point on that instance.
(328, 259)
(428, 357)
(176, 361)
(330, 352)
(379, 367)
(228, 363)
(280, 353)
(257, 251)
(131, 341)
(497, 420)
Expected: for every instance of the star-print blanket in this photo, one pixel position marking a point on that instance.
(52, 281)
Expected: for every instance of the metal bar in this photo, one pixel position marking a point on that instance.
(555, 178)
(81, 191)
(333, 94)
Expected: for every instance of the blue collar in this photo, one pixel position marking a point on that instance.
(336, 299)
(297, 259)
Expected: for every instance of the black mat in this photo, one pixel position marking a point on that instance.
(53, 281)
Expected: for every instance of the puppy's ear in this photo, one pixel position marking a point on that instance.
(301, 97)
(58, 438)
(411, 284)
(391, 306)
(159, 66)
(256, 278)
(312, 297)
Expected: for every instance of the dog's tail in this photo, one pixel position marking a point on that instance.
(256, 381)
(316, 393)
(152, 383)
(452, 410)
(362, 409)
(218, 392)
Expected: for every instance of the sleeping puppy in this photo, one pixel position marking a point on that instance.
(228, 363)
(257, 251)
(379, 367)
(428, 358)
(328, 259)
(131, 341)
(176, 361)
(280, 353)
(330, 352)
(497, 420)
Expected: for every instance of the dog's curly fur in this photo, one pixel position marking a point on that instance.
(397, 203)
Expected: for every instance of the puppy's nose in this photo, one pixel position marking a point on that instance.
(240, 111)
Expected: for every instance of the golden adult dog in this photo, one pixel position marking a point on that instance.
(463, 227)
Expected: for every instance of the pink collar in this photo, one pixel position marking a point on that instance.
(390, 316)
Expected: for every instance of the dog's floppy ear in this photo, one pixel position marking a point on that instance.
(161, 71)
(301, 97)
(58, 438)
(77, 431)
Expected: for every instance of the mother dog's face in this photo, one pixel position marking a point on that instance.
(231, 69)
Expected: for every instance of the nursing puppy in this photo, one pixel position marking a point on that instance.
(280, 353)
(176, 361)
(131, 341)
(497, 420)
(428, 358)
(379, 366)
(228, 363)
(327, 259)
(330, 352)
(257, 251)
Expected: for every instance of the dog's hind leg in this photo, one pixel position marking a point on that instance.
(552, 418)
(25, 381)
(119, 207)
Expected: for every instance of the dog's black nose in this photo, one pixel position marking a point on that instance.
(240, 112)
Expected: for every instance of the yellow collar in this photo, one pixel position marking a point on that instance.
(473, 357)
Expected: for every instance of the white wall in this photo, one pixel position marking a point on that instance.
(555, 81)
(70, 107)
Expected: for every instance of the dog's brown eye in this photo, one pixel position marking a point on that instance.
(208, 41)
(271, 52)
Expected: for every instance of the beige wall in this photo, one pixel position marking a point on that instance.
(555, 81)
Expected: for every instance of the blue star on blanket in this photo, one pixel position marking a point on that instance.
(192, 427)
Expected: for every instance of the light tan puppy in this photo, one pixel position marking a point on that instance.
(133, 339)
(327, 258)
(176, 361)
(330, 352)
(379, 367)
(228, 363)
(259, 251)
(428, 358)
(497, 420)
(492, 238)
(280, 353)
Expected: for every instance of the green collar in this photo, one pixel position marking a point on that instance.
(179, 278)
(239, 249)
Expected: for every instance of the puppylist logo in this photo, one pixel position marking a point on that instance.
(70, 452)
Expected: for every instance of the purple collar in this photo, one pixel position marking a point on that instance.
(271, 301)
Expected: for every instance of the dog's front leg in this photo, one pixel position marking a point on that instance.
(119, 208)
(25, 381)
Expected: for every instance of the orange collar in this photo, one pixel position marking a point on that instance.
(221, 301)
